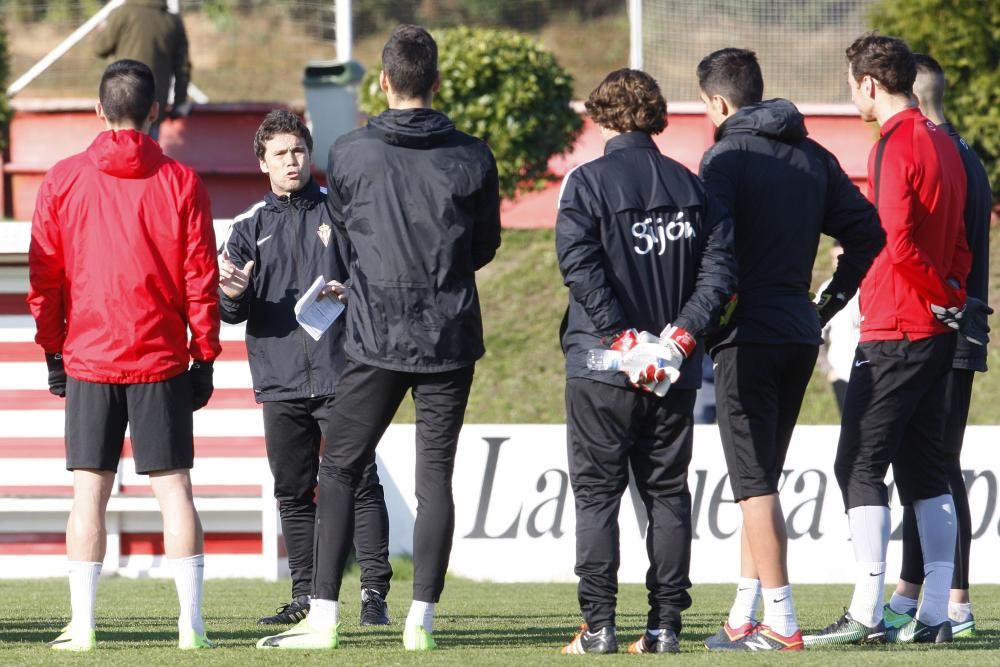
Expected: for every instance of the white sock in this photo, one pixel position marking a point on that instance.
(323, 614)
(744, 607)
(83, 578)
(779, 610)
(937, 528)
(189, 577)
(421, 613)
(902, 604)
(870, 538)
(960, 612)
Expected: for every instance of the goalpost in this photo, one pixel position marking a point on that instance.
(800, 43)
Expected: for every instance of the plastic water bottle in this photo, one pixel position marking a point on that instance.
(604, 360)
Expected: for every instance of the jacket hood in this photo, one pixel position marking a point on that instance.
(412, 128)
(775, 119)
(125, 153)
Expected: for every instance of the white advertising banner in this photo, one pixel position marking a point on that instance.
(515, 516)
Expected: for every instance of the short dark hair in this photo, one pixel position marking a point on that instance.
(928, 63)
(734, 74)
(127, 92)
(628, 100)
(886, 59)
(410, 60)
(278, 122)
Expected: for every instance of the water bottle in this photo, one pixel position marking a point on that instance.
(604, 360)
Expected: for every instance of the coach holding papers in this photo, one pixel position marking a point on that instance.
(275, 250)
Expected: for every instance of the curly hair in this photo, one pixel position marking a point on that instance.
(278, 122)
(628, 100)
(886, 59)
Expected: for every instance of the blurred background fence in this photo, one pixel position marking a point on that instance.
(254, 50)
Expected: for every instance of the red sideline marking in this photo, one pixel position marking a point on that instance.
(41, 399)
(14, 304)
(133, 544)
(54, 448)
(232, 350)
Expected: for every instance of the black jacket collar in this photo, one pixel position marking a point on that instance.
(306, 198)
(629, 140)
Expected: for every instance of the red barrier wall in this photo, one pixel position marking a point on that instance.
(216, 141)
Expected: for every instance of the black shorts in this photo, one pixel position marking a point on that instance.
(159, 415)
(758, 394)
(895, 414)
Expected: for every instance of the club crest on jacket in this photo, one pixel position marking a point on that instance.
(324, 234)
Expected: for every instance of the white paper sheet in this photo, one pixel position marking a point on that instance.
(315, 315)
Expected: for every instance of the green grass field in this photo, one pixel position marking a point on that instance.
(477, 623)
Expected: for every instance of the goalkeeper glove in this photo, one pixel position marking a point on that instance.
(57, 374)
(202, 387)
(828, 304)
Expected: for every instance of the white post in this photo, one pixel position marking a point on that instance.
(345, 32)
(174, 6)
(60, 50)
(635, 60)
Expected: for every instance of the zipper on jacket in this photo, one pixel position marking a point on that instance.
(299, 240)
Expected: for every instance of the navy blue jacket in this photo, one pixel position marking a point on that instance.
(640, 244)
(290, 241)
(978, 208)
(784, 190)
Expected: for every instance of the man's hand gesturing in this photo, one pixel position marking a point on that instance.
(232, 280)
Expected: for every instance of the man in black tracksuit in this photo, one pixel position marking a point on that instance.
(415, 208)
(274, 252)
(783, 191)
(641, 246)
(969, 359)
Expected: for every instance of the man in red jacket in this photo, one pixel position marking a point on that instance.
(912, 300)
(122, 264)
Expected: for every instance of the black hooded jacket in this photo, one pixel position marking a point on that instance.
(784, 190)
(640, 244)
(290, 242)
(415, 206)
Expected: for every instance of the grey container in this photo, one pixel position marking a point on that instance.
(331, 102)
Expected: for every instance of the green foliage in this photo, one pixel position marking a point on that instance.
(4, 73)
(965, 38)
(504, 88)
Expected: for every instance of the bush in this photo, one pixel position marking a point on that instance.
(502, 87)
(965, 38)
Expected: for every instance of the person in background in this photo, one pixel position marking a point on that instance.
(144, 30)
(840, 339)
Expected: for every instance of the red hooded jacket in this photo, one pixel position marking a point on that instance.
(920, 197)
(122, 262)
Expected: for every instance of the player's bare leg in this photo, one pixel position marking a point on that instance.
(183, 540)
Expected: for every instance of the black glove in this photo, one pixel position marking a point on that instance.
(974, 324)
(830, 302)
(57, 374)
(201, 383)
(182, 110)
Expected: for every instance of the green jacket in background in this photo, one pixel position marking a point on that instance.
(144, 30)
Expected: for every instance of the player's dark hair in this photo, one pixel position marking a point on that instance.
(733, 74)
(628, 100)
(886, 59)
(278, 122)
(410, 60)
(928, 63)
(127, 92)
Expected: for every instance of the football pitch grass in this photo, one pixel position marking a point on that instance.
(477, 623)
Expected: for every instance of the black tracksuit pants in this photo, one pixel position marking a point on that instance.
(609, 430)
(368, 398)
(958, 396)
(292, 433)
